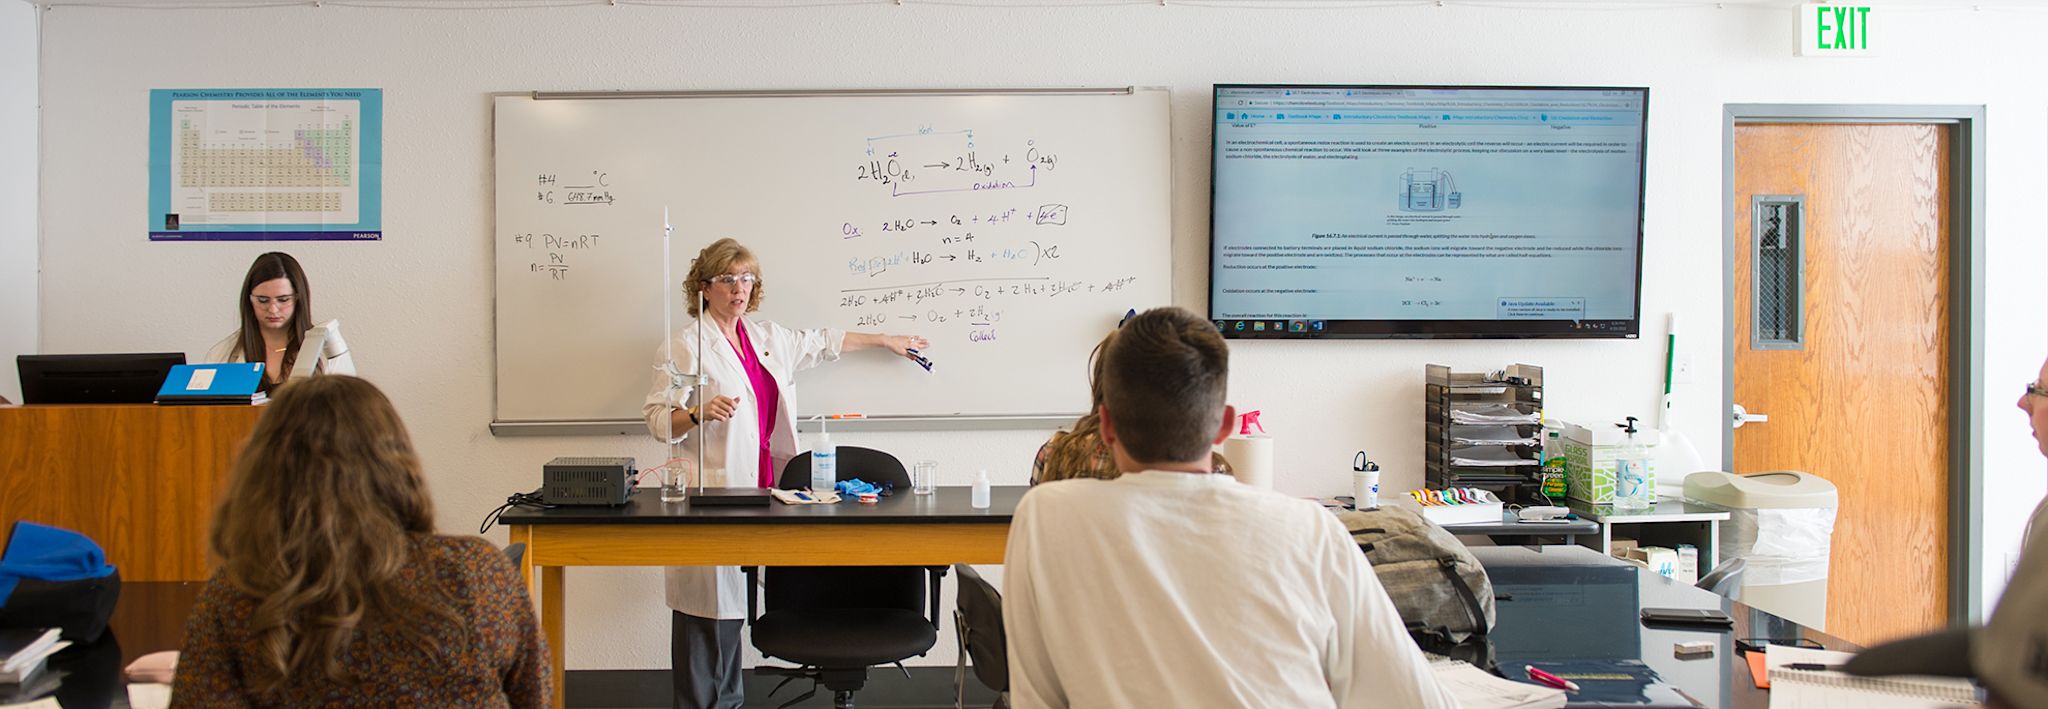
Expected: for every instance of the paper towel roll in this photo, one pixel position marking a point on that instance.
(1251, 457)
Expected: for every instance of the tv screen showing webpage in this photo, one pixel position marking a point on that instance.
(1378, 211)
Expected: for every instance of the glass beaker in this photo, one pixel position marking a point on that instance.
(676, 477)
(923, 477)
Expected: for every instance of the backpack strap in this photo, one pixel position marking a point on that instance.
(1449, 565)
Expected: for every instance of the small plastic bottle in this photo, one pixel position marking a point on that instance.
(1632, 472)
(979, 500)
(824, 464)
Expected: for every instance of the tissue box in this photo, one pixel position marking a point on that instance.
(1448, 515)
(1662, 560)
(1589, 455)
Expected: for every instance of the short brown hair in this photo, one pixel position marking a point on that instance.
(1164, 377)
(715, 260)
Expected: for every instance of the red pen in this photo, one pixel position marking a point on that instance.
(1549, 680)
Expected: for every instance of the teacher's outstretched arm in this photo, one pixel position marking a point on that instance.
(899, 344)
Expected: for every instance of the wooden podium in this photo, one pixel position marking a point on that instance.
(140, 479)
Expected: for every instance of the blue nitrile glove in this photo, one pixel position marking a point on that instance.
(854, 487)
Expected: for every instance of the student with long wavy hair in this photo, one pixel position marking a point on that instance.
(333, 587)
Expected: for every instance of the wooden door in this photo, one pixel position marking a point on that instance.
(1862, 397)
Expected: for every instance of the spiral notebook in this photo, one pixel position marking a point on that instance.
(1827, 689)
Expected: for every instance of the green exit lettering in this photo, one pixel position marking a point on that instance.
(1842, 27)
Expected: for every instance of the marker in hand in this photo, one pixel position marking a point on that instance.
(921, 360)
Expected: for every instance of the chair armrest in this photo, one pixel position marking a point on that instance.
(753, 589)
(935, 573)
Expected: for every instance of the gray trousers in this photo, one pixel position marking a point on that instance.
(704, 657)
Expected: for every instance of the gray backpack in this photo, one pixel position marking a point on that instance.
(1438, 587)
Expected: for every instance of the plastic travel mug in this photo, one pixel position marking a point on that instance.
(1365, 489)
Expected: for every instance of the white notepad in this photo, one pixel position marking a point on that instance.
(1826, 689)
(1475, 688)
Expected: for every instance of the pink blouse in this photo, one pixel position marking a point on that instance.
(766, 397)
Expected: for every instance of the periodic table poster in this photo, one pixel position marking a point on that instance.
(265, 164)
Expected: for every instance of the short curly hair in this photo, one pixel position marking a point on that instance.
(716, 260)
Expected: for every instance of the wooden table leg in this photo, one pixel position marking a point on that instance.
(551, 623)
(522, 534)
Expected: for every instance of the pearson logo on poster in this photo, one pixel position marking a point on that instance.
(266, 164)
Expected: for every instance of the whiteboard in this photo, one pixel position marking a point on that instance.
(1012, 229)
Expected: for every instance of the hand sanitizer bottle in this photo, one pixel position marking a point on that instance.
(824, 463)
(979, 500)
(1632, 472)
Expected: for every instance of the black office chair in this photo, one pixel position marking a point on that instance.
(835, 621)
(979, 621)
(1725, 579)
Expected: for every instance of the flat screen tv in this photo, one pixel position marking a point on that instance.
(1380, 211)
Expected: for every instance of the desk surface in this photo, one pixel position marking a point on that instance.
(150, 617)
(1573, 603)
(946, 505)
(1667, 509)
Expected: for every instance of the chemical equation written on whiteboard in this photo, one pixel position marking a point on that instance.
(969, 309)
(931, 161)
(553, 254)
(591, 188)
(924, 225)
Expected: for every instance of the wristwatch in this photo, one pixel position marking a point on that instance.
(693, 417)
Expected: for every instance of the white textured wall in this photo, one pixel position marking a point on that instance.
(419, 303)
(17, 189)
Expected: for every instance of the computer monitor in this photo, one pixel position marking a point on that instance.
(128, 378)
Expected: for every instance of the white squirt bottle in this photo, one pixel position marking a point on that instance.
(978, 498)
(824, 462)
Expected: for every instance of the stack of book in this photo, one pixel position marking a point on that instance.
(23, 650)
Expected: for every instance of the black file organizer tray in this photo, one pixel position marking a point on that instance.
(1445, 391)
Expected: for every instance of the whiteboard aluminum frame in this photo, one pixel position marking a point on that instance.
(798, 93)
(636, 427)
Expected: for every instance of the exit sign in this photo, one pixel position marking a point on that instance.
(1837, 30)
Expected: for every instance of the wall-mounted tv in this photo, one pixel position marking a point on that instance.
(1378, 211)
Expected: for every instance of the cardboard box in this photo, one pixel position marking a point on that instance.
(1622, 548)
(1589, 455)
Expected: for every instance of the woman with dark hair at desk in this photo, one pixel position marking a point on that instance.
(276, 306)
(333, 588)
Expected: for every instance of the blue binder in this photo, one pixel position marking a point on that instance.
(233, 383)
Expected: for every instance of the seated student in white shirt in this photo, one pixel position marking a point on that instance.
(276, 306)
(1174, 587)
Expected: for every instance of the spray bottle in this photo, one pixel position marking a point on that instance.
(1250, 454)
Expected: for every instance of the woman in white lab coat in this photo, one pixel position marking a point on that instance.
(747, 421)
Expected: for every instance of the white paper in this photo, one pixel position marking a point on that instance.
(146, 695)
(1475, 688)
(202, 379)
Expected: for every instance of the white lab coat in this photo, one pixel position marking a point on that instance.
(720, 592)
(229, 351)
